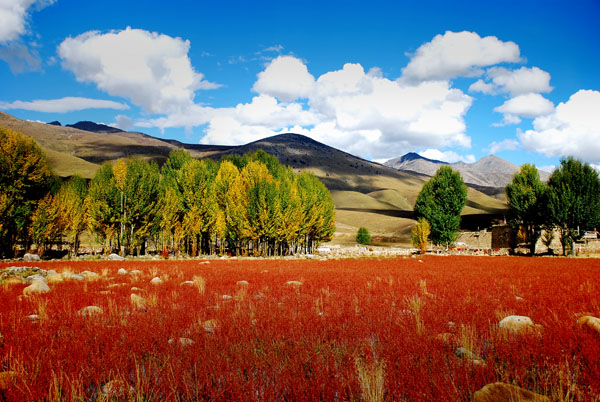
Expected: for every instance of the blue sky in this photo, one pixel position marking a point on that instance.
(451, 80)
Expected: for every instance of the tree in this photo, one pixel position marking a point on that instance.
(441, 202)
(72, 211)
(25, 178)
(363, 236)
(573, 200)
(525, 194)
(103, 205)
(420, 234)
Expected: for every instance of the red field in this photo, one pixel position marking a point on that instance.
(350, 325)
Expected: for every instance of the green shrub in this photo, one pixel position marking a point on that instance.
(363, 236)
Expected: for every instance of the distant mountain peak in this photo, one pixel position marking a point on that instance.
(412, 156)
(55, 123)
(94, 127)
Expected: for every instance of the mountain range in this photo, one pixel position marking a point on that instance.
(365, 193)
(490, 171)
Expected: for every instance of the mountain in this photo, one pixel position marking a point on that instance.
(487, 174)
(94, 127)
(365, 193)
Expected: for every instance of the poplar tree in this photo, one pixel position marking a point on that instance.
(441, 202)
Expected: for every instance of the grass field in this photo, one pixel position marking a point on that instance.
(405, 329)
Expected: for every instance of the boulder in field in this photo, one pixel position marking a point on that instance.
(501, 392)
(115, 257)
(89, 275)
(37, 286)
(517, 324)
(242, 283)
(590, 322)
(293, 283)
(90, 311)
(34, 277)
(31, 257)
(156, 281)
(122, 271)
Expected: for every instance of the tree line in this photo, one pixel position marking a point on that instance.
(569, 202)
(248, 204)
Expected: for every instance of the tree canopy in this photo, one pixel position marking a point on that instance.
(441, 202)
(573, 200)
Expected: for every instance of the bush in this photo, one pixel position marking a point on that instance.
(420, 235)
(363, 236)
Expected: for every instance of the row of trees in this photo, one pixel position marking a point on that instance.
(242, 204)
(569, 202)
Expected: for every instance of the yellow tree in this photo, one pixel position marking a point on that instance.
(71, 207)
(25, 178)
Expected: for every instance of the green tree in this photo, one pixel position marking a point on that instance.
(103, 205)
(363, 236)
(573, 200)
(25, 178)
(420, 234)
(441, 202)
(525, 194)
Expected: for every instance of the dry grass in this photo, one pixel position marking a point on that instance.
(371, 379)
(415, 305)
(200, 283)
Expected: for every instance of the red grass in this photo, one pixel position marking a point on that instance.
(278, 342)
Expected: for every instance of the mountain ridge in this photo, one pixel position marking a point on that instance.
(490, 171)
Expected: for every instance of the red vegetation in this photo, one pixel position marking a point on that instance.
(272, 341)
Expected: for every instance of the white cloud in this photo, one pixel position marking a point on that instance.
(572, 129)
(20, 58)
(447, 156)
(123, 122)
(483, 87)
(63, 105)
(504, 145)
(13, 16)
(286, 78)
(455, 54)
(151, 69)
(529, 105)
(522, 81)
(359, 112)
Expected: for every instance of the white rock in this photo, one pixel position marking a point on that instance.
(156, 281)
(293, 283)
(115, 257)
(90, 275)
(31, 257)
(37, 286)
(35, 277)
(122, 271)
(516, 323)
(242, 283)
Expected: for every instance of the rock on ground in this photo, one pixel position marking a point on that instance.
(242, 283)
(156, 281)
(37, 286)
(501, 392)
(590, 322)
(122, 271)
(293, 283)
(517, 323)
(90, 311)
(115, 257)
(31, 257)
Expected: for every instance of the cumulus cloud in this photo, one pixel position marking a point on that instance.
(572, 129)
(359, 112)
(504, 145)
(456, 54)
(515, 82)
(152, 70)
(123, 122)
(529, 105)
(286, 78)
(483, 87)
(63, 105)
(447, 156)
